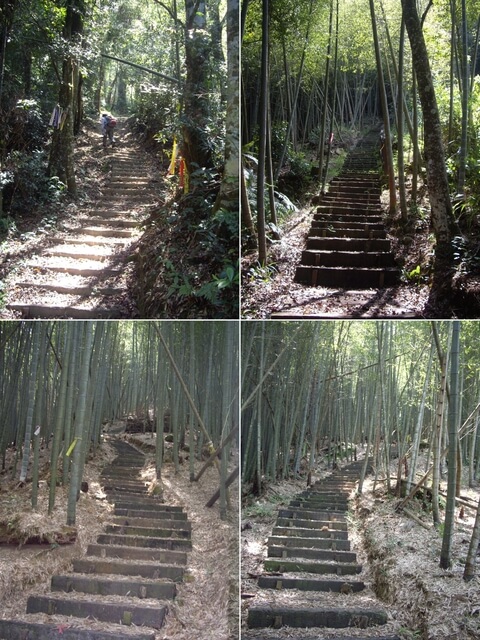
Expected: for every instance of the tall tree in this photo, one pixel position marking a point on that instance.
(197, 149)
(438, 189)
(62, 162)
(452, 447)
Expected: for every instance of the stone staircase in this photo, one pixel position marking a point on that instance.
(127, 578)
(82, 274)
(347, 245)
(312, 578)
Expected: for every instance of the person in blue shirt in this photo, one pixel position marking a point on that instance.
(108, 124)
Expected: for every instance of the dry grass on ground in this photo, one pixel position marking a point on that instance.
(400, 559)
(206, 607)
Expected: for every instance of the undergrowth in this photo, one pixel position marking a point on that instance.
(187, 262)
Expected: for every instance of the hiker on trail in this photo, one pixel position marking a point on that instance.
(108, 123)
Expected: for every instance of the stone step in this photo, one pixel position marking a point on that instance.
(144, 569)
(305, 542)
(171, 530)
(326, 231)
(106, 232)
(327, 495)
(347, 244)
(144, 542)
(332, 510)
(324, 525)
(273, 616)
(135, 553)
(310, 584)
(79, 290)
(347, 277)
(20, 630)
(37, 311)
(81, 253)
(156, 589)
(347, 259)
(307, 514)
(111, 222)
(349, 216)
(147, 504)
(151, 523)
(311, 554)
(128, 472)
(128, 614)
(302, 532)
(152, 514)
(303, 566)
(125, 485)
(366, 227)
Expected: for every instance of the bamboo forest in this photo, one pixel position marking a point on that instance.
(360, 183)
(119, 159)
(119, 480)
(360, 458)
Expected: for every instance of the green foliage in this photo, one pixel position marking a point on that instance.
(29, 185)
(261, 273)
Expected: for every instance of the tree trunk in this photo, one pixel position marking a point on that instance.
(262, 145)
(441, 206)
(229, 188)
(196, 147)
(31, 400)
(386, 115)
(81, 427)
(452, 448)
(62, 162)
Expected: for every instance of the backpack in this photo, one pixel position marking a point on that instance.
(111, 122)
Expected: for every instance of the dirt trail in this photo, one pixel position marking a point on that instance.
(80, 271)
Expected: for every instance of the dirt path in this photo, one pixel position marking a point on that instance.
(80, 270)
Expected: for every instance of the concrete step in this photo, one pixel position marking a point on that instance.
(347, 277)
(303, 523)
(86, 290)
(115, 567)
(171, 529)
(273, 616)
(20, 630)
(128, 614)
(102, 231)
(306, 542)
(275, 551)
(302, 532)
(156, 589)
(38, 311)
(136, 553)
(348, 244)
(146, 504)
(308, 514)
(150, 543)
(323, 230)
(152, 514)
(310, 584)
(347, 259)
(303, 566)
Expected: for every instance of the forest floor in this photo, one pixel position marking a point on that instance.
(207, 602)
(400, 560)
